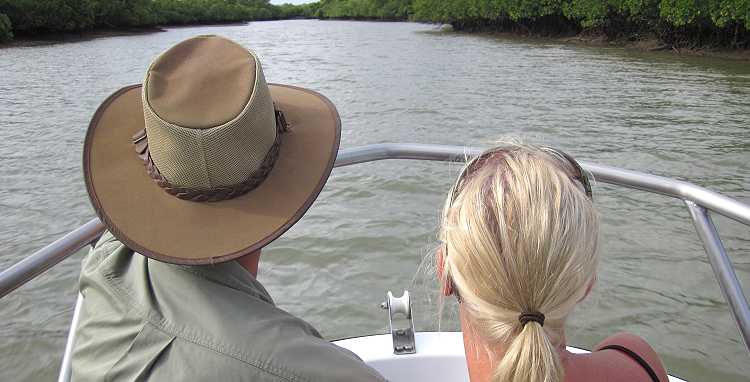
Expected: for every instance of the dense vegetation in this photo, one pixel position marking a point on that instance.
(30, 17)
(683, 23)
(676, 22)
(691, 23)
(6, 30)
(360, 9)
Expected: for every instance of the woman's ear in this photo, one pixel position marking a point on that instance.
(440, 256)
(588, 288)
(447, 283)
(447, 287)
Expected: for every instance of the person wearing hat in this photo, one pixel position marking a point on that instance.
(193, 172)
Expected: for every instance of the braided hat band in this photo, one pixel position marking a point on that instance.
(218, 193)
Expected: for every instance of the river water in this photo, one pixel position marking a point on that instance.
(687, 118)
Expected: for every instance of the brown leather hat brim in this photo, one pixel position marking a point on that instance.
(158, 225)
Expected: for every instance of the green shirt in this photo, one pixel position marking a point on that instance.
(142, 319)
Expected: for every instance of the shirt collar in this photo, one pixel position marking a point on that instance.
(230, 274)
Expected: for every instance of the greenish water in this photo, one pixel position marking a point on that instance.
(372, 226)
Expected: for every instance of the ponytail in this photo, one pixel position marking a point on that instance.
(530, 357)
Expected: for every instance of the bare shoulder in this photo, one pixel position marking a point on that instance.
(632, 352)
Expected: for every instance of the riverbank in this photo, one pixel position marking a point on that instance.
(644, 45)
(556, 34)
(558, 30)
(60, 19)
(584, 38)
(635, 34)
(694, 26)
(653, 44)
(58, 38)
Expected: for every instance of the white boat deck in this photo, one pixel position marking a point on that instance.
(439, 357)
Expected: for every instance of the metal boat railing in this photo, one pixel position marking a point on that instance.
(699, 202)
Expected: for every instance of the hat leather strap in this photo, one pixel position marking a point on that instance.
(217, 193)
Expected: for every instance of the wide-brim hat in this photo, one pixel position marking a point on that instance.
(205, 162)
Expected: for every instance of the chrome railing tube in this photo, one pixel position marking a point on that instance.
(57, 251)
(65, 367)
(723, 269)
(418, 151)
(41, 260)
(698, 199)
(604, 174)
(675, 188)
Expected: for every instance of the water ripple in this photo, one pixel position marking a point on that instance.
(373, 225)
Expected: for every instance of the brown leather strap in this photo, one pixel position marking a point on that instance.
(218, 193)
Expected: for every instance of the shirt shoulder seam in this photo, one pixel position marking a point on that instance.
(160, 323)
(276, 372)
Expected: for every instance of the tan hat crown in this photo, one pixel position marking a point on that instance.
(209, 118)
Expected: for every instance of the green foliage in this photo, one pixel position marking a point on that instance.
(680, 19)
(6, 28)
(364, 9)
(212, 11)
(57, 15)
(47, 16)
(683, 12)
(288, 11)
(589, 13)
(694, 18)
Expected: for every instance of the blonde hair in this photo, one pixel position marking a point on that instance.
(520, 236)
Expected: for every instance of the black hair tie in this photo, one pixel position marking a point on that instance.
(525, 317)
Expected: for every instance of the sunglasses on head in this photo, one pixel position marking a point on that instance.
(579, 174)
(475, 164)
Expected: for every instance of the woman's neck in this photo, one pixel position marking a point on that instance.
(482, 359)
